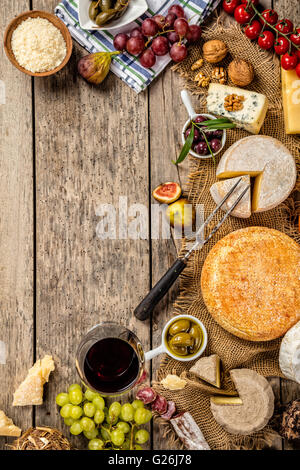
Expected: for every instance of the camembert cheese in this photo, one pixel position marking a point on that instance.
(289, 356)
(7, 427)
(221, 188)
(30, 391)
(266, 159)
(252, 114)
(291, 101)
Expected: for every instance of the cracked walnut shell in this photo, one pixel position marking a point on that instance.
(214, 51)
(240, 72)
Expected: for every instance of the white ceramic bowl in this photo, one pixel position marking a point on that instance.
(163, 348)
(208, 116)
(135, 9)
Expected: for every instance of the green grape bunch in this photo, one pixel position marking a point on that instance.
(113, 427)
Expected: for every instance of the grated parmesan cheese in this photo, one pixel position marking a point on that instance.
(38, 45)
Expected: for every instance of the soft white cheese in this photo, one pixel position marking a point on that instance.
(289, 355)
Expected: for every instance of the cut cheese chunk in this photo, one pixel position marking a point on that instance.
(173, 382)
(289, 356)
(221, 188)
(267, 159)
(256, 408)
(30, 391)
(220, 400)
(208, 369)
(291, 100)
(250, 117)
(7, 427)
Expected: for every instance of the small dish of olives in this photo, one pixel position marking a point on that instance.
(109, 14)
(185, 337)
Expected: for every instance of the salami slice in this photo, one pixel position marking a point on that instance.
(170, 410)
(160, 404)
(189, 432)
(146, 395)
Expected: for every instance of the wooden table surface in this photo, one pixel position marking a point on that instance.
(66, 148)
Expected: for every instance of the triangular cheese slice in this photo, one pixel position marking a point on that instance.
(30, 392)
(7, 427)
(221, 188)
(208, 369)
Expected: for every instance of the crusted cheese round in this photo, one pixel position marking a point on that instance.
(250, 283)
(266, 159)
(289, 356)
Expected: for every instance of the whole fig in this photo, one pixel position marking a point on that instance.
(95, 67)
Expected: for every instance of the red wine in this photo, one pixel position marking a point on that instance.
(111, 365)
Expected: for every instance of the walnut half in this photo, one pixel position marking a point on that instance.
(234, 102)
(219, 74)
(201, 79)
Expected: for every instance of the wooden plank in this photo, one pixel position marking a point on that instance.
(16, 227)
(92, 148)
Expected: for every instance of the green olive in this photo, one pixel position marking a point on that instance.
(182, 340)
(178, 326)
(93, 11)
(179, 350)
(106, 5)
(104, 17)
(196, 333)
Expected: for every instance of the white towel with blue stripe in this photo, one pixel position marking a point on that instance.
(126, 66)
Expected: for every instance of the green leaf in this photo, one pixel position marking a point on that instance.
(215, 121)
(186, 148)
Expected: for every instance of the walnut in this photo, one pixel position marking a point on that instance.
(214, 51)
(240, 72)
(219, 74)
(201, 79)
(197, 65)
(234, 102)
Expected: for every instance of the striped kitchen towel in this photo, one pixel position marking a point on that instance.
(126, 66)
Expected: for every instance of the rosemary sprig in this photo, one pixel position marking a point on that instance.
(204, 126)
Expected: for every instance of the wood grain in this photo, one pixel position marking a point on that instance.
(92, 148)
(16, 229)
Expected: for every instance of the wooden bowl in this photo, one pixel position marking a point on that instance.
(34, 14)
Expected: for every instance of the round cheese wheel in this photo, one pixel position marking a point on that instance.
(250, 283)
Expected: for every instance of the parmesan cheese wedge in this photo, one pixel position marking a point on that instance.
(208, 369)
(289, 355)
(219, 190)
(266, 159)
(30, 391)
(173, 382)
(7, 427)
(256, 408)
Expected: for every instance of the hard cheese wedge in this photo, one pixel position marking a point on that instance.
(266, 159)
(250, 117)
(221, 188)
(291, 101)
(7, 427)
(30, 391)
(208, 369)
(257, 404)
(289, 356)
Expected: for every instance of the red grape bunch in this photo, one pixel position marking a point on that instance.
(158, 36)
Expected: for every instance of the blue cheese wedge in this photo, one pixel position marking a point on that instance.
(252, 114)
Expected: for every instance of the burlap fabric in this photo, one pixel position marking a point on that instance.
(234, 352)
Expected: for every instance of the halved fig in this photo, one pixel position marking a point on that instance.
(167, 192)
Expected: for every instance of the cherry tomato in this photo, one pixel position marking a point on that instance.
(282, 45)
(298, 54)
(243, 15)
(230, 5)
(266, 40)
(298, 70)
(270, 16)
(253, 30)
(289, 61)
(295, 37)
(285, 26)
(255, 2)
